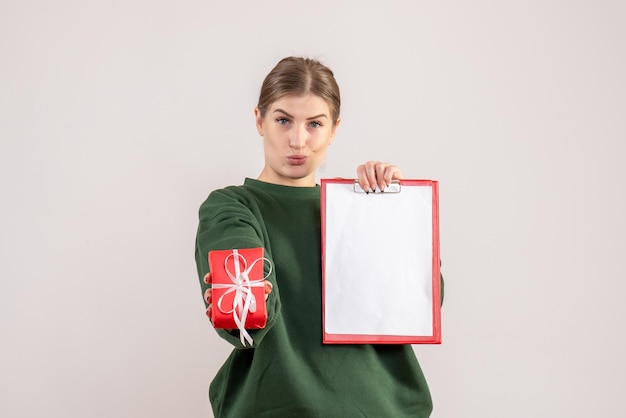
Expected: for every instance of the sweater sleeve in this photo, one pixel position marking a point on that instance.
(228, 221)
(442, 283)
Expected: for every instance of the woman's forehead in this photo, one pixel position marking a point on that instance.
(302, 105)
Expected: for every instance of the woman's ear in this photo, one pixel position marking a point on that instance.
(259, 120)
(334, 131)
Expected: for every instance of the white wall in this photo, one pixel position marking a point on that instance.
(118, 117)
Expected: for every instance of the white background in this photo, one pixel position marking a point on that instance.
(117, 118)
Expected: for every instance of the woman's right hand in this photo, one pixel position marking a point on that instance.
(374, 174)
(208, 294)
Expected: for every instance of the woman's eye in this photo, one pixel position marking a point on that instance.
(315, 124)
(282, 121)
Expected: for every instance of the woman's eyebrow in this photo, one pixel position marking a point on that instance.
(321, 115)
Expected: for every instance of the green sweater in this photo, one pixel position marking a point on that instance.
(289, 372)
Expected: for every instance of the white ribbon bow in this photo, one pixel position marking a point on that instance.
(244, 300)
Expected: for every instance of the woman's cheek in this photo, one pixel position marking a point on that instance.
(320, 144)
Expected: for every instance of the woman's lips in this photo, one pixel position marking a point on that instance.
(296, 159)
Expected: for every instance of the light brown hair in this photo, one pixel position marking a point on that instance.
(297, 76)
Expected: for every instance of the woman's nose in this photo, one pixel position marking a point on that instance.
(298, 137)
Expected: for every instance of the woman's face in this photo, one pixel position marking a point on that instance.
(297, 130)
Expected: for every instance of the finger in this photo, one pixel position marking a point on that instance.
(381, 175)
(208, 312)
(207, 278)
(362, 178)
(391, 173)
(366, 174)
(370, 172)
(268, 288)
(397, 174)
(208, 296)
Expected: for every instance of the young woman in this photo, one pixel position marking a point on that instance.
(288, 372)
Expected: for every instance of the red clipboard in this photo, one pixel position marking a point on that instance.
(380, 263)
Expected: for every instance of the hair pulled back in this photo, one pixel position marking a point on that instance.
(297, 76)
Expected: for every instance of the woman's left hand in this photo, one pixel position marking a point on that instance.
(376, 173)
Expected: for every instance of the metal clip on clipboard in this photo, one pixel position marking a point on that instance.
(394, 187)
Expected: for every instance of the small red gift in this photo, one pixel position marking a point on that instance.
(238, 294)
